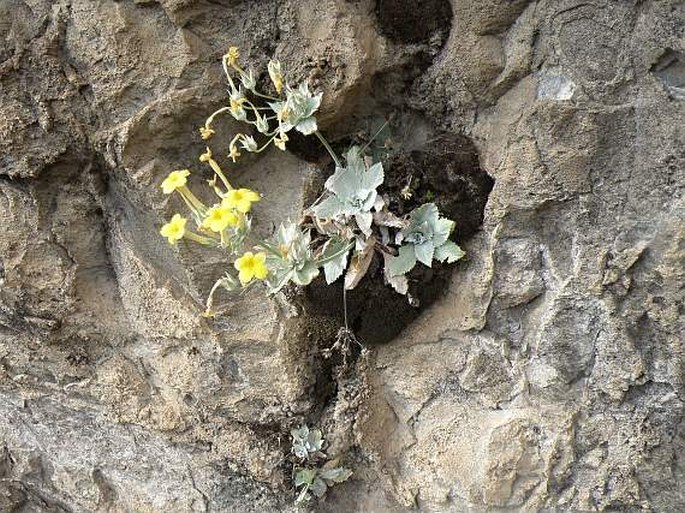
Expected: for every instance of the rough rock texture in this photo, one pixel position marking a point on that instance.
(550, 375)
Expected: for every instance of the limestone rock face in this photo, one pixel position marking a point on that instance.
(547, 375)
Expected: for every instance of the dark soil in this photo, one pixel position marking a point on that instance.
(447, 172)
(413, 21)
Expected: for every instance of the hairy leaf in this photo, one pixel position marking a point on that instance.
(404, 262)
(441, 230)
(304, 476)
(449, 252)
(364, 220)
(400, 282)
(318, 487)
(307, 126)
(424, 252)
(334, 258)
(329, 208)
(306, 274)
(335, 475)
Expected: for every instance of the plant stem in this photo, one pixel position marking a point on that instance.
(328, 148)
(345, 306)
(266, 96)
(374, 136)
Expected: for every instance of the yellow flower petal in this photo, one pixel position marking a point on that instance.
(245, 276)
(175, 180)
(251, 266)
(260, 270)
(174, 229)
(240, 199)
(219, 218)
(206, 133)
(232, 55)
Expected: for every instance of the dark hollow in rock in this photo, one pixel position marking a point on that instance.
(447, 172)
(414, 21)
(308, 148)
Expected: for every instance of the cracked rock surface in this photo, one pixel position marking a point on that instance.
(549, 374)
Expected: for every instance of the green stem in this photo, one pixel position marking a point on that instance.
(374, 136)
(187, 194)
(198, 238)
(345, 305)
(336, 255)
(328, 148)
(215, 167)
(266, 96)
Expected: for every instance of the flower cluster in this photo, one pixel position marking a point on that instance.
(285, 109)
(340, 233)
(224, 224)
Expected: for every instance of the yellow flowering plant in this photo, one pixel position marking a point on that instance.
(339, 234)
(348, 226)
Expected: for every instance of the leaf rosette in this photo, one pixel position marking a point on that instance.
(426, 238)
(353, 191)
(297, 111)
(289, 257)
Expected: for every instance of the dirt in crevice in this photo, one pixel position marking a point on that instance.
(446, 172)
(414, 21)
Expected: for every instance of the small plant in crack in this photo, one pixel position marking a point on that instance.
(313, 472)
(340, 233)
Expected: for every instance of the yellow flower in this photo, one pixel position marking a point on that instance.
(206, 132)
(219, 218)
(280, 142)
(283, 114)
(240, 199)
(232, 55)
(175, 229)
(175, 180)
(234, 153)
(251, 266)
(236, 108)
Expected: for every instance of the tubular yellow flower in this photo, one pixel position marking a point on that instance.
(251, 266)
(232, 55)
(206, 132)
(240, 200)
(219, 218)
(206, 157)
(175, 229)
(175, 180)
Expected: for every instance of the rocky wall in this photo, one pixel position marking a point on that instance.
(544, 372)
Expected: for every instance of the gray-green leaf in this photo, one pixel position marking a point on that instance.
(364, 220)
(449, 252)
(305, 476)
(318, 487)
(424, 252)
(305, 275)
(335, 475)
(404, 262)
(329, 208)
(307, 126)
(335, 258)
